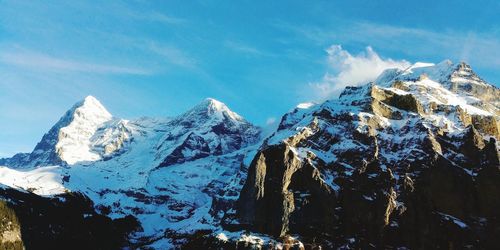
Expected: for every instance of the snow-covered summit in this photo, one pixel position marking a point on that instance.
(211, 109)
(446, 83)
(437, 72)
(447, 73)
(72, 139)
(92, 109)
(87, 132)
(209, 128)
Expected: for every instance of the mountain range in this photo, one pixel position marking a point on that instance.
(408, 161)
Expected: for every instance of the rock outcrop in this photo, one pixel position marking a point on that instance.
(283, 191)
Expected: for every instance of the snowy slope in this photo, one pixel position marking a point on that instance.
(166, 172)
(41, 181)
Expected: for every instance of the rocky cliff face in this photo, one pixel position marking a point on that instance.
(408, 161)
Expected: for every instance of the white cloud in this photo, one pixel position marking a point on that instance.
(346, 69)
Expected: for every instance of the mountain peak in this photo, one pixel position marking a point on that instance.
(211, 107)
(90, 100)
(209, 128)
(80, 123)
(92, 108)
(213, 103)
(463, 64)
(68, 141)
(464, 70)
(441, 72)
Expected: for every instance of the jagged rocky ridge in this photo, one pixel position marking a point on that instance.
(409, 160)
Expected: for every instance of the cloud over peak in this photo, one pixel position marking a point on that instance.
(345, 69)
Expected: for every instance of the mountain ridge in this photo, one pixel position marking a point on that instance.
(144, 163)
(419, 144)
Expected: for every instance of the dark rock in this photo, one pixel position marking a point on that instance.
(274, 198)
(68, 221)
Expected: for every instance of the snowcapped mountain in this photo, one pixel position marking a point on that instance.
(410, 160)
(209, 128)
(415, 149)
(169, 173)
(446, 83)
(85, 133)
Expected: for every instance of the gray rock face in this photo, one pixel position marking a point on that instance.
(266, 194)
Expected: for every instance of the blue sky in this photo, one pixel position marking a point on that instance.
(159, 58)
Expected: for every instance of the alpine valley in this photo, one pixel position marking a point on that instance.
(408, 161)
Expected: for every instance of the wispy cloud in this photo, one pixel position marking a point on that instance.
(40, 61)
(346, 69)
(243, 48)
(156, 55)
(171, 54)
(154, 17)
(312, 33)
